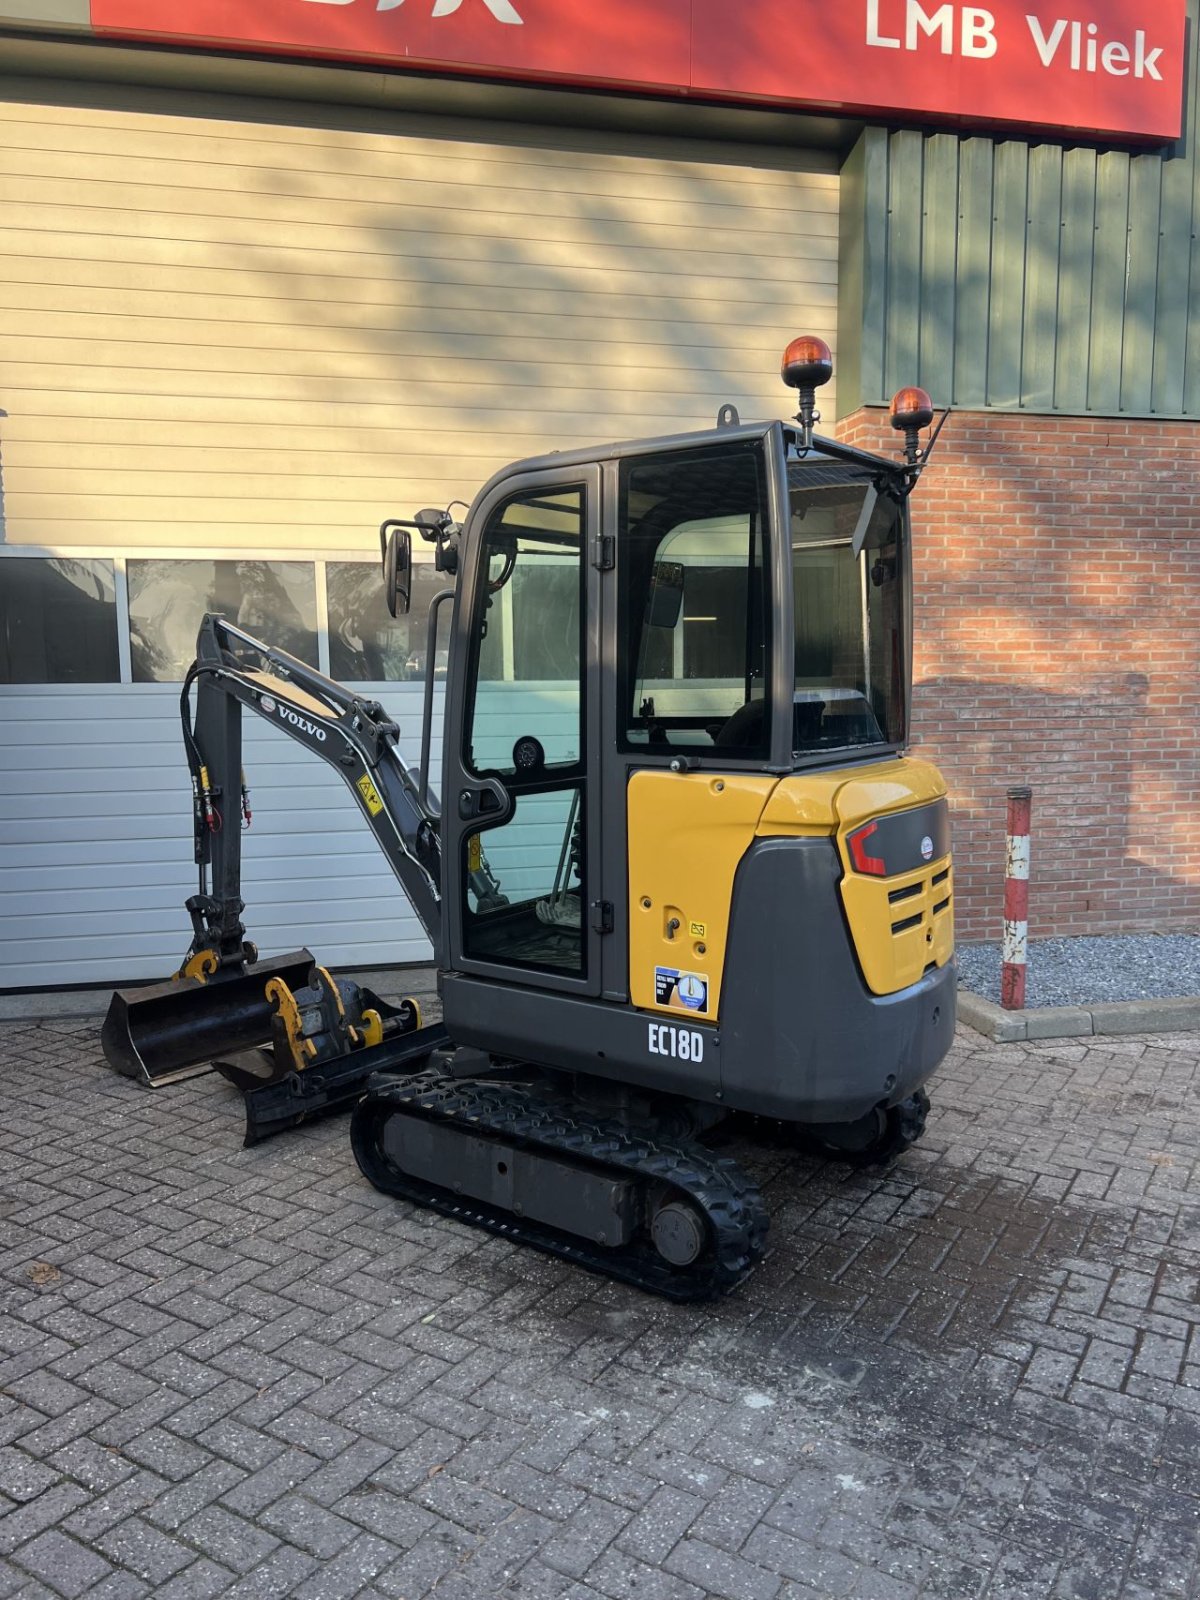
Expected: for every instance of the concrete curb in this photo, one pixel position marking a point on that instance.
(1078, 1022)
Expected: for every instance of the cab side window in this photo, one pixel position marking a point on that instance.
(693, 601)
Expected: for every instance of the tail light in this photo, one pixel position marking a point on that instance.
(860, 855)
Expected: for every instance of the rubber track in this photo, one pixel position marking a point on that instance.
(717, 1186)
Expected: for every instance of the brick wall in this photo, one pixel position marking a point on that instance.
(1057, 610)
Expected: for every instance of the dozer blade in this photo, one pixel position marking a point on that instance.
(174, 1030)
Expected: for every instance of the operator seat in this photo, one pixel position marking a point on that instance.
(744, 729)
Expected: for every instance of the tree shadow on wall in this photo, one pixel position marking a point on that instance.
(1101, 851)
(3, 516)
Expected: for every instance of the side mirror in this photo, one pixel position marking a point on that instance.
(432, 523)
(397, 572)
(664, 603)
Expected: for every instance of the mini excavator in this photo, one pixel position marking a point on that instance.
(678, 867)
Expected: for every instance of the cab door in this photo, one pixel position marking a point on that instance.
(521, 824)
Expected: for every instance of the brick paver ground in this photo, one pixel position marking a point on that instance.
(243, 1372)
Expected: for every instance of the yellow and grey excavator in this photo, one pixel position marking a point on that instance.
(678, 866)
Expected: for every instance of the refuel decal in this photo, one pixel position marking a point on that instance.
(675, 988)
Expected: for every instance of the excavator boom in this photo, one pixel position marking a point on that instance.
(224, 1003)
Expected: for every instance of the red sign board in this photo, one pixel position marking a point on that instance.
(1091, 68)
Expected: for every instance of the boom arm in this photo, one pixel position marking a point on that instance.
(355, 736)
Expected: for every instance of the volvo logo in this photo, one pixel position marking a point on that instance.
(926, 848)
(297, 721)
(267, 703)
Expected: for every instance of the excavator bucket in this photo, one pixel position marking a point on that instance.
(177, 1029)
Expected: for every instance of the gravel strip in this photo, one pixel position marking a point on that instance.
(1080, 972)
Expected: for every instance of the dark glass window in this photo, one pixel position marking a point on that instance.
(58, 621)
(365, 641)
(274, 600)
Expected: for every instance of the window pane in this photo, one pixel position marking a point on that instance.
(693, 613)
(536, 857)
(274, 600)
(58, 621)
(365, 641)
(527, 633)
(849, 638)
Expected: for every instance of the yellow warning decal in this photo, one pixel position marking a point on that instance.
(370, 794)
(474, 853)
(698, 930)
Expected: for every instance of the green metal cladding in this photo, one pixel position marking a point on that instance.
(1014, 275)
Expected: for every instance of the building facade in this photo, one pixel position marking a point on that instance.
(262, 293)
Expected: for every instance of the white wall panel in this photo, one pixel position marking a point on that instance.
(96, 846)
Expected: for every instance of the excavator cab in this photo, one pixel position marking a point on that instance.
(671, 665)
(677, 865)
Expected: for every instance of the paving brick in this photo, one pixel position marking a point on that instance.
(270, 1483)
(349, 1571)
(719, 1573)
(623, 1577)
(132, 1495)
(278, 1577)
(419, 1571)
(227, 1539)
(63, 1563)
(732, 1514)
(145, 1550)
(47, 1510)
(122, 1586)
(203, 1580)
(655, 1531)
(173, 1507)
(575, 1545)
(308, 1526)
(21, 1477)
(525, 1486)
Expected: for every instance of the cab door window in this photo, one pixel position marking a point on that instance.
(525, 879)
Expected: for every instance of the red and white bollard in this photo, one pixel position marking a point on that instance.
(1015, 952)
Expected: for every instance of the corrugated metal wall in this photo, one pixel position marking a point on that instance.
(1017, 275)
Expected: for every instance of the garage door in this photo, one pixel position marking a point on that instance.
(233, 342)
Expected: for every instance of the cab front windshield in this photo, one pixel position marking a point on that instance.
(697, 612)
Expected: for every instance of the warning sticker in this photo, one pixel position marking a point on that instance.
(370, 794)
(686, 989)
(698, 930)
